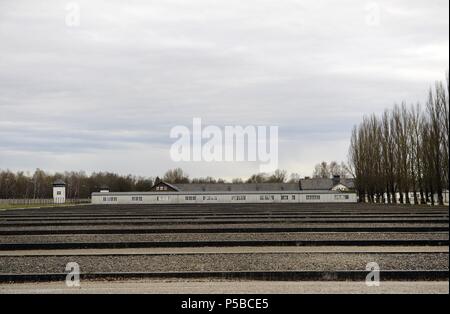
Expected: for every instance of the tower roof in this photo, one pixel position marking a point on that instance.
(59, 182)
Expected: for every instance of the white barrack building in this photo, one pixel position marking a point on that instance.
(306, 191)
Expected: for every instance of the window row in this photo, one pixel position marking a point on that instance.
(110, 199)
(233, 198)
(267, 197)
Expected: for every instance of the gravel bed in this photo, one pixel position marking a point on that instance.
(229, 208)
(228, 262)
(219, 226)
(216, 217)
(189, 211)
(222, 237)
(212, 220)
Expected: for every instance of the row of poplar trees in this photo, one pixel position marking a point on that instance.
(404, 152)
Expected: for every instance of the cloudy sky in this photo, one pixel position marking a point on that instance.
(103, 95)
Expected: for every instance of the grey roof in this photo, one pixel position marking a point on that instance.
(165, 183)
(239, 187)
(175, 187)
(59, 182)
(324, 184)
(316, 184)
(350, 183)
(215, 192)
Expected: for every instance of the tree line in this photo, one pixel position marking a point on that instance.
(79, 185)
(177, 175)
(321, 170)
(404, 151)
(326, 170)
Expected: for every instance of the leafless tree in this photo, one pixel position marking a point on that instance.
(403, 152)
(176, 176)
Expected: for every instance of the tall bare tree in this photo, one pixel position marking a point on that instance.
(404, 152)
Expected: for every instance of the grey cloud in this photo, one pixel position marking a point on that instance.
(132, 71)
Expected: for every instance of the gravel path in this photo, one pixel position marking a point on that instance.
(226, 287)
(223, 237)
(228, 262)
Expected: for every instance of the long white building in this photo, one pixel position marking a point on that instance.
(335, 191)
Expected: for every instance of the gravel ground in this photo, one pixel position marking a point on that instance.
(216, 215)
(187, 210)
(214, 260)
(232, 250)
(209, 220)
(223, 237)
(228, 262)
(219, 226)
(238, 208)
(226, 287)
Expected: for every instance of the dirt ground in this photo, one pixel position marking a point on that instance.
(227, 287)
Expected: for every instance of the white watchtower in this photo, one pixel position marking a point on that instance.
(59, 192)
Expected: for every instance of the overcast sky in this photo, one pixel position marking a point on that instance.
(104, 95)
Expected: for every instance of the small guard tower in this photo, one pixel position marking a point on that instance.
(59, 192)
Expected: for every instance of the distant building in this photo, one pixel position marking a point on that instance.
(161, 186)
(104, 189)
(306, 191)
(224, 187)
(59, 192)
(335, 184)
